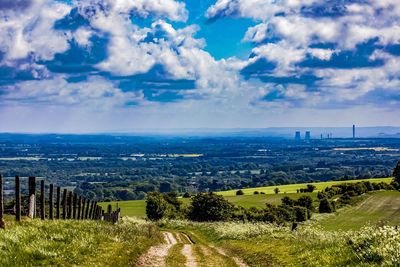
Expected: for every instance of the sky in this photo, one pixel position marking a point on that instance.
(124, 65)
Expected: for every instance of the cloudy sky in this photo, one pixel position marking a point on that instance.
(122, 65)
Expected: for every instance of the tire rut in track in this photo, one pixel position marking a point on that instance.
(156, 255)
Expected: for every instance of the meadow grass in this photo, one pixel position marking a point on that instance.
(262, 244)
(138, 207)
(175, 258)
(75, 243)
(377, 208)
(292, 188)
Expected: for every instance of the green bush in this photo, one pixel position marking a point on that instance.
(396, 173)
(310, 188)
(239, 193)
(210, 207)
(325, 206)
(288, 201)
(156, 206)
(305, 201)
(301, 214)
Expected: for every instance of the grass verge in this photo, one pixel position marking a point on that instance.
(75, 243)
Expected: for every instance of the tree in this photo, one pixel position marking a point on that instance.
(239, 193)
(396, 172)
(287, 201)
(172, 199)
(325, 206)
(156, 206)
(186, 195)
(165, 187)
(310, 188)
(210, 207)
(301, 214)
(305, 201)
(276, 190)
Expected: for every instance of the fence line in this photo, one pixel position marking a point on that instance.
(73, 206)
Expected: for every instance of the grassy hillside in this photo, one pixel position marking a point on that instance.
(292, 188)
(74, 243)
(380, 208)
(137, 207)
(260, 244)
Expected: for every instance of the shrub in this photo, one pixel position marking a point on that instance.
(172, 199)
(325, 206)
(305, 201)
(256, 192)
(210, 207)
(396, 172)
(156, 206)
(345, 198)
(284, 214)
(186, 195)
(159, 206)
(239, 193)
(288, 201)
(310, 188)
(301, 214)
(321, 195)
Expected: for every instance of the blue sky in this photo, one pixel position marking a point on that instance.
(123, 65)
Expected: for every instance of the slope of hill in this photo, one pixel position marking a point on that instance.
(75, 243)
(379, 208)
(249, 199)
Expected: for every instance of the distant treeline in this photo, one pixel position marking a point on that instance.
(212, 207)
(122, 170)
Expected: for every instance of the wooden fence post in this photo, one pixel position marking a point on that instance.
(78, 217)
(58, 198)
(91, 210)
(17, 199)
(2, 225)
(83, 208)
(87, 209)
(51, 208)
(95, 211)
(70, 205)
(42, 206)
(32, 197)
(74, 206)
(65, 204)
(98, 213)
(94, 215)
(108, 216)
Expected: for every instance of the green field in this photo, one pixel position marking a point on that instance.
(137, 207)
(379, 208)
(292, 188)
(74, 243)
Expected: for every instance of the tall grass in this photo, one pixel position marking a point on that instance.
(263, 244)
(67, 243)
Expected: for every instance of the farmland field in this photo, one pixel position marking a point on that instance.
(292, 188)
(377, 208)
(137, 207)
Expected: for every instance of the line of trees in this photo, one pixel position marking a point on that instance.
(346, 192)
(212, 207)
